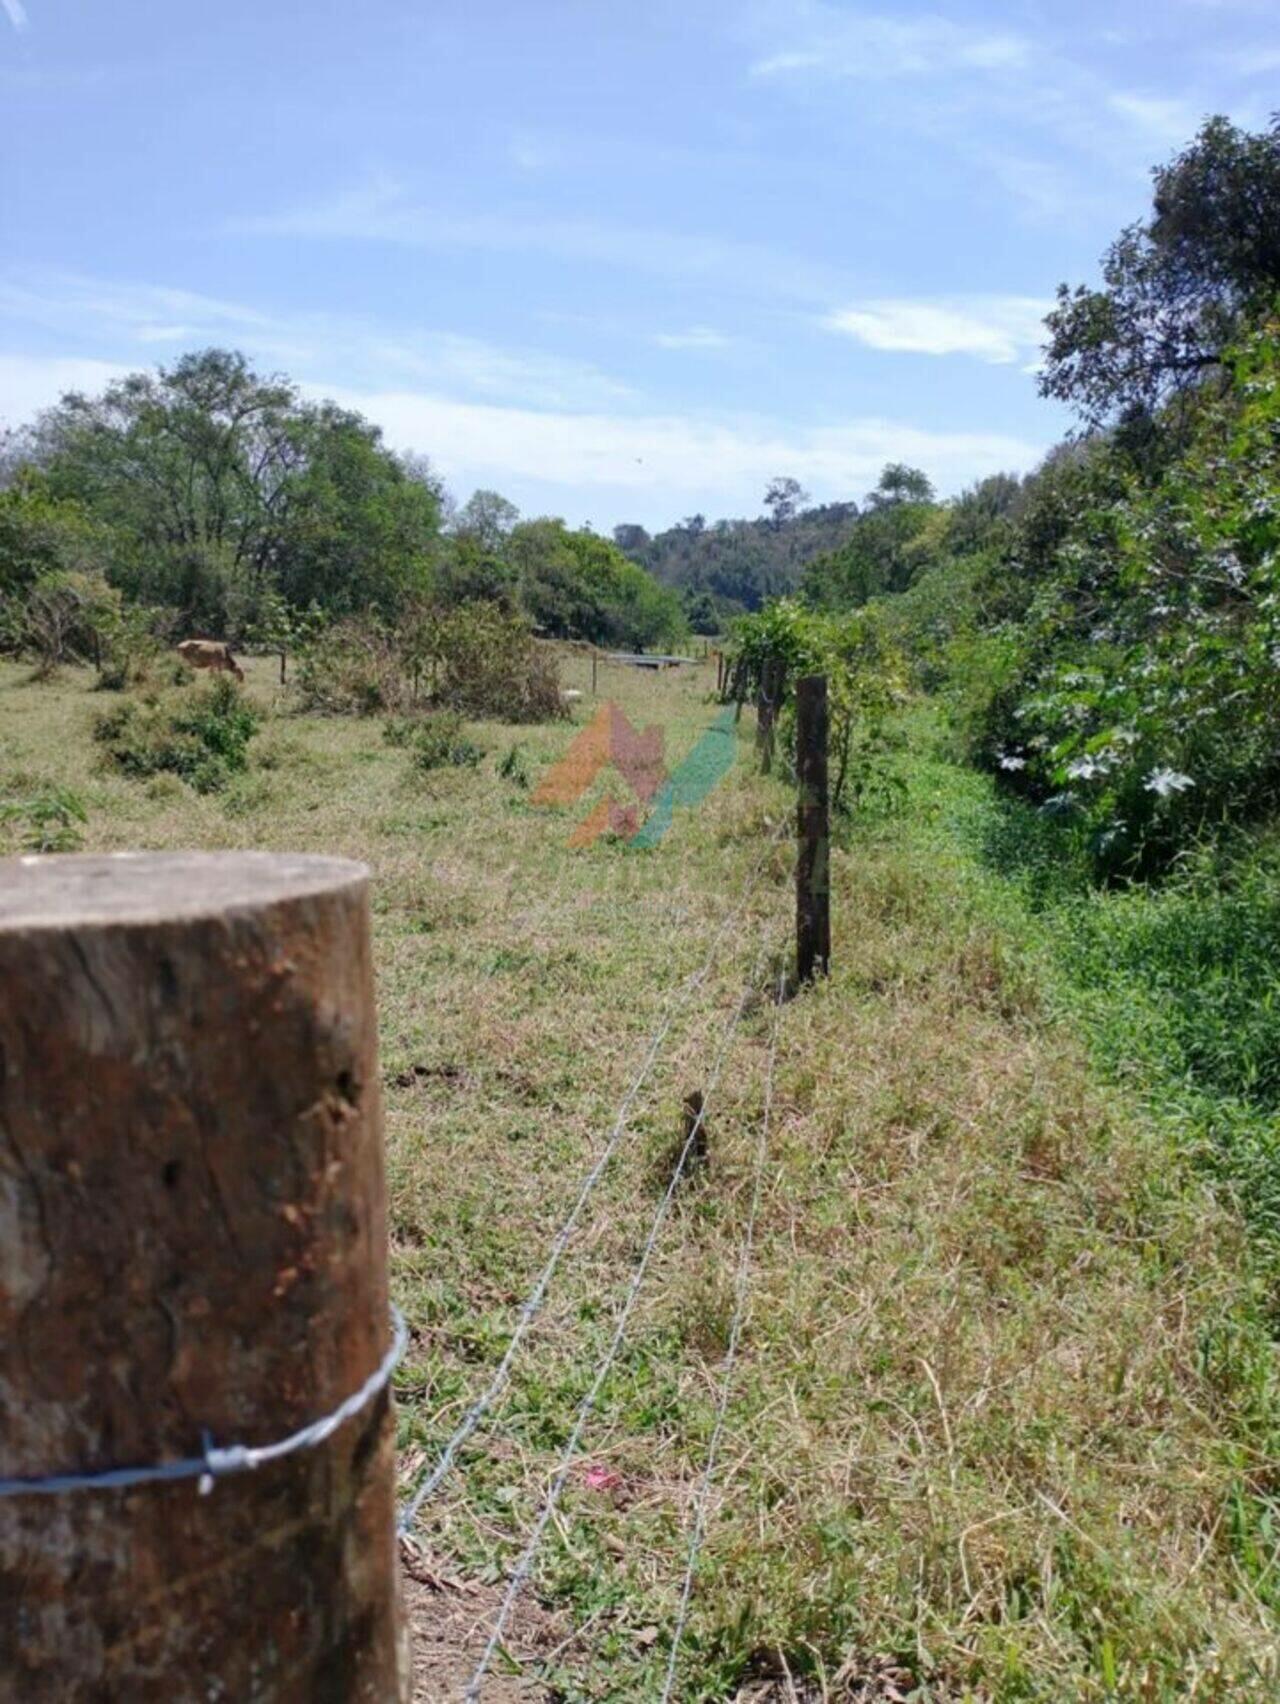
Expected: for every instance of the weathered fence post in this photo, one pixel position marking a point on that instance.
(767, 709)
(192, 1254)
(813, 852)
(595, 663)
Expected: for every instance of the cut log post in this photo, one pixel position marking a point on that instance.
(813, 850)
(595, 664)
(192, 1251)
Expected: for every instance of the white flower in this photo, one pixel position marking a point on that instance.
(1085, 768)
(1009, 762)
(1166, 781)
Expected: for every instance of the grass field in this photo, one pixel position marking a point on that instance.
(1003, 1421)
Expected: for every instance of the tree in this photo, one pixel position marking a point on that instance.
(1177, 287)
(576, 585)
(783, 499)
(207, 478)
(631, 540)
(488, 518)
(900, 484)
(42, 534)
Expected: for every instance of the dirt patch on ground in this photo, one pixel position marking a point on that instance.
(449, 1622)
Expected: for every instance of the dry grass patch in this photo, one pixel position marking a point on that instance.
(1003, 1411)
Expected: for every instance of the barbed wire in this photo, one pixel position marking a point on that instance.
(532, 1304)
(731, 1354)
(219, 1463)
(521, 1571)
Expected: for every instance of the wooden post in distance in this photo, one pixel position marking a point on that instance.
(813, 849)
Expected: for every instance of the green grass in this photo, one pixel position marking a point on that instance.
(1004, 1424)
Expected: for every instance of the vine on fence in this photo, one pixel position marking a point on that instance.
(866, 680)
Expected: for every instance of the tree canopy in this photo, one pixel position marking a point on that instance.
(1177, 286)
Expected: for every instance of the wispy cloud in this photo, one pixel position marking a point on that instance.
(696, 337)
(380, 210)
(16, 13)
(832, 42)
(1160, 121)
(995, 329)
(157, 320)
(721, 463)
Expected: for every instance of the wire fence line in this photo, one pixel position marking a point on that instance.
(741, 1287)
(520, 1573)
(532, 1304)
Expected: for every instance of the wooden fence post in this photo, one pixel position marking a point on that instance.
(813, 852)
(767, 710)
(595, 663)
(193, 1250)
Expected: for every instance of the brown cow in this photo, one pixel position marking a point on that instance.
(210, 654)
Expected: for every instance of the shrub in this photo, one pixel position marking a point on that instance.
(56, 619)
(515, 768)
(201, 735)
(866, 681)
(49, 819)
(476, 659)
(441, 740)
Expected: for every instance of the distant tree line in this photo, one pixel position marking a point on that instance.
(223, 503)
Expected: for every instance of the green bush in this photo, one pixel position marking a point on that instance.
(440, 741)
(1140, 698)
(477, 659)
(49, 819)
(201, 735)
(866, 681)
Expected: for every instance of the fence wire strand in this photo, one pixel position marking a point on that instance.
(731, 1355)
(522, 1568)
(532, 1304)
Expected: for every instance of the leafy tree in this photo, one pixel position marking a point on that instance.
(900, 484)
(1177, 287)
(631, 540)
(207, 476)
(783, 499)
(899, 532)
(487, 518)
(740, 564)
(44, 534)
(578, 585)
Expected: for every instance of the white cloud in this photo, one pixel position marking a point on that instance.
(29, 383)
(995, 329)
(122, 317)
(836, 43)
(17, 13)
(1165, 123)
(722, 462)
(696, 337)
(1251, 61)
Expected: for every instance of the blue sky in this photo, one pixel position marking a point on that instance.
(621, 261)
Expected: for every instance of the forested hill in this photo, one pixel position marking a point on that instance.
(722, 568)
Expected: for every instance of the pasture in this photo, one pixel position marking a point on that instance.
(997, 1419)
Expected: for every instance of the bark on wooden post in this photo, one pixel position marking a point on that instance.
(192, 1241)
(813, 852)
